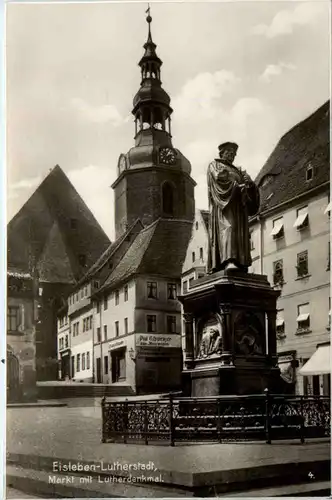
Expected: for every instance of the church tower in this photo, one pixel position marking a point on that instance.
(153, 177)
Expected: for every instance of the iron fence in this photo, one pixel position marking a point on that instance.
(216, 419)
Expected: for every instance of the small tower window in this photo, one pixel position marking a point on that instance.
(168, 199)
(309, 173)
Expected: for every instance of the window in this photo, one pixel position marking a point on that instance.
(106, 365)
(88, 360)
(278, 228)
(96, 284)
(98, 306)
(73, 223)
(302, 264)
(196, 225)
(302, 218)
(82, 293)
(309, 172)
(83, 361)
(151, 323)
(117, 297)
(152, 289)
(280, 324)
(66, 341)
(168, 199)
(252, 243)
(193, 256)
(171, 291)
(125, 293)
(201, 253)
(13, 318)
(185, 286)
(82, 260)
(76, 297)
(126, 326)
(84, 323)
(171, 324)
(105, 302)
(191, 281)
(278, 272)
(78, 362)
(105, 332)
(117, 330)
(90, 323)
(303, 318)
(98, 335)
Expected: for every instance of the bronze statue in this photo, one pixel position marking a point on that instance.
(233, 196)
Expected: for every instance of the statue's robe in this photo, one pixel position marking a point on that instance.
(229, 240)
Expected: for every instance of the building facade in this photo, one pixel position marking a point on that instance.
(22, 310)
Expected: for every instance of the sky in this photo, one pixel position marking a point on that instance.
(243, 71)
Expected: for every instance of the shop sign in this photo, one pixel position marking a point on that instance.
(115, 344)
(157, 340)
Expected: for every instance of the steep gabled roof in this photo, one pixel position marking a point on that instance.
(158, 249)
(109, 253)
(55, 201)
(283, 176)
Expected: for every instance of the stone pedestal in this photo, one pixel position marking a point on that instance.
(230, 333)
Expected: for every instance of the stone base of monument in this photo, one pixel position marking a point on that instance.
(230, 335)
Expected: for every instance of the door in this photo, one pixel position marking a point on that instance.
(13, 377)
(99, 376)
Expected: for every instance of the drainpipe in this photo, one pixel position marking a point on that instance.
(261, 244)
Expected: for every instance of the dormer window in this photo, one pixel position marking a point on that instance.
(309, 173)
(302, 219)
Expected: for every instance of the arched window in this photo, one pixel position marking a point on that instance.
(168, 199)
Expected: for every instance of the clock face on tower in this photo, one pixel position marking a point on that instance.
(167, 156)
(122, 163)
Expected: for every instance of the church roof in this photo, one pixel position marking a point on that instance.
(158, 249)
(55, 232)
(283, 176)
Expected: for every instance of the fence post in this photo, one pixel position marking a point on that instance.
(103, 438)
(125, 420)
(267, 416)
(146, 421)
(171, 426)
(302, 429)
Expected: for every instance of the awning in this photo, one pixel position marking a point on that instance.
(302, 218)
(280, 322)
(303, 317)
(328, 208)
(319, 363)
(277, 228)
